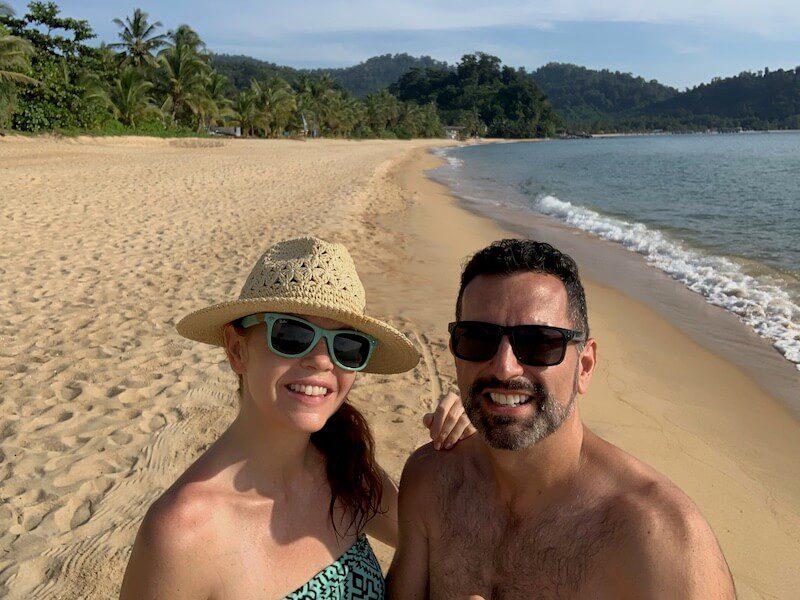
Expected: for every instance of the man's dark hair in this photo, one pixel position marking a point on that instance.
(510, 256)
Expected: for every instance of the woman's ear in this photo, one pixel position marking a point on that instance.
(235, 348)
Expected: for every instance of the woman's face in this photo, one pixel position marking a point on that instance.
(300, 392)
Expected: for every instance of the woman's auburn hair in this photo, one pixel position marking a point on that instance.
(354, 477)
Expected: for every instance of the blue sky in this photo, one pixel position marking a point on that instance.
(680, 43)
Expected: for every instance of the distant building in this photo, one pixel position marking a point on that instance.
(453, 133)
(229, 131)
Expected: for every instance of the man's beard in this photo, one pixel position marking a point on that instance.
(505, 432)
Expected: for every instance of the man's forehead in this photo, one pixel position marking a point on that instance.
(522, 297)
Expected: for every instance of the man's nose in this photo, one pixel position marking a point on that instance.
(318, 359)
(505, 365)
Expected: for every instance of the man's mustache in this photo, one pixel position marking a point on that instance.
(518, 384)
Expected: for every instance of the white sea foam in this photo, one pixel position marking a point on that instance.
(452, 160)
(765, 307)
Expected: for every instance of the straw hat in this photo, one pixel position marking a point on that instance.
(306, 276)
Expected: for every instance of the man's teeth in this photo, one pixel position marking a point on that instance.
(309, 390)
(509, 399)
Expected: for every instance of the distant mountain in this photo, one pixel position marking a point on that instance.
(582, 95)
(372, 75)
(379, 72)
(584, 99)
(241, 69)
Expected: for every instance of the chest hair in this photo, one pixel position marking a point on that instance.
(480, 547)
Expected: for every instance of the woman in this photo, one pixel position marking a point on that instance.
(279, 505)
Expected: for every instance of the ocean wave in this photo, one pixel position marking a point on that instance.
(452, 160)
(765, 307)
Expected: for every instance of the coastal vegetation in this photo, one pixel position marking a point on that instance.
(157, 82)
(602, 101)
(483, 97)
(372, 75)
(585, 97)
(165, 83)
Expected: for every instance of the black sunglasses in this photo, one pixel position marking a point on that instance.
(533, 345)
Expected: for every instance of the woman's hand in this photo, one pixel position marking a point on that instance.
(448, 424)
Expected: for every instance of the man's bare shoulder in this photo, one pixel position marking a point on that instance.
(428, 464)
(428, 470)
(662, 537)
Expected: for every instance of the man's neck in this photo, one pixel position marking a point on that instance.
(535, 476)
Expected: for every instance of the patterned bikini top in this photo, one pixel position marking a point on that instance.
(355, 575)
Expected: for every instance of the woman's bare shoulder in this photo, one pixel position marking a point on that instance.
(178, 535)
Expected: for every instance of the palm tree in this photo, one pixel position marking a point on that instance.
(139, 40)
(217, 105)
(383, 111)
(129, 97)
(244, 111)
(183, 76)
(275, 103)
(15, 56)
(186, 36)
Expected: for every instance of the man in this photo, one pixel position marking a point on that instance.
(538, 506)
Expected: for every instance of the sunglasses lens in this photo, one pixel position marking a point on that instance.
(475, 341)
(351, 349)
(291, 337)
(539, 346)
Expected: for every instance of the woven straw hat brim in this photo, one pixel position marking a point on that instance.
(394, 353)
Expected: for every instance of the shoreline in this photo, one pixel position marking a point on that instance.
(668, 400)
(712, 326)
(104, 404)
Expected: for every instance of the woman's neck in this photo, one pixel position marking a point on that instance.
(271, 459)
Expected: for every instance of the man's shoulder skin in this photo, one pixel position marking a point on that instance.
(662, 544)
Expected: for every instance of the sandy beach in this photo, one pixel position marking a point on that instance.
(107, 242)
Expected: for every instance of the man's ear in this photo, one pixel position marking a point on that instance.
(235, 348)
(587, 361)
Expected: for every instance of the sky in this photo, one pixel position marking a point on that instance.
(680, 43)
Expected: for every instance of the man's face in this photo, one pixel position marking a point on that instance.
(549, 392)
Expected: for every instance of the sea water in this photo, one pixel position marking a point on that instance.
(719, 213)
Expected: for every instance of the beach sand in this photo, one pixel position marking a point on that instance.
(107, 242)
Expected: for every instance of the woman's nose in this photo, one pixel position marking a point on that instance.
(318, 359)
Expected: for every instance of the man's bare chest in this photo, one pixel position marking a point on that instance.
(477, 548)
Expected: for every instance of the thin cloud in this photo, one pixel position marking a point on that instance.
(770, 18)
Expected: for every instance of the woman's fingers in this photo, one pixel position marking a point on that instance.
(457, 432)
(440, 416)
(448, 423)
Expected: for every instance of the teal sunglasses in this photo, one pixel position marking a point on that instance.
(293, 337)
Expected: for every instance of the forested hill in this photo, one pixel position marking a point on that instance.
(582, 95)
(372, 75)
(241, 70)
(378, 72)
(763, 100)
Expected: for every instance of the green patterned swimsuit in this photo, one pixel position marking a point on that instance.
(355, 575)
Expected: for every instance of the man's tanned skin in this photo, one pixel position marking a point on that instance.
(569, 516)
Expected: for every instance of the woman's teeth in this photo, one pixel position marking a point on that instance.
(509, 399)
(309, 390)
